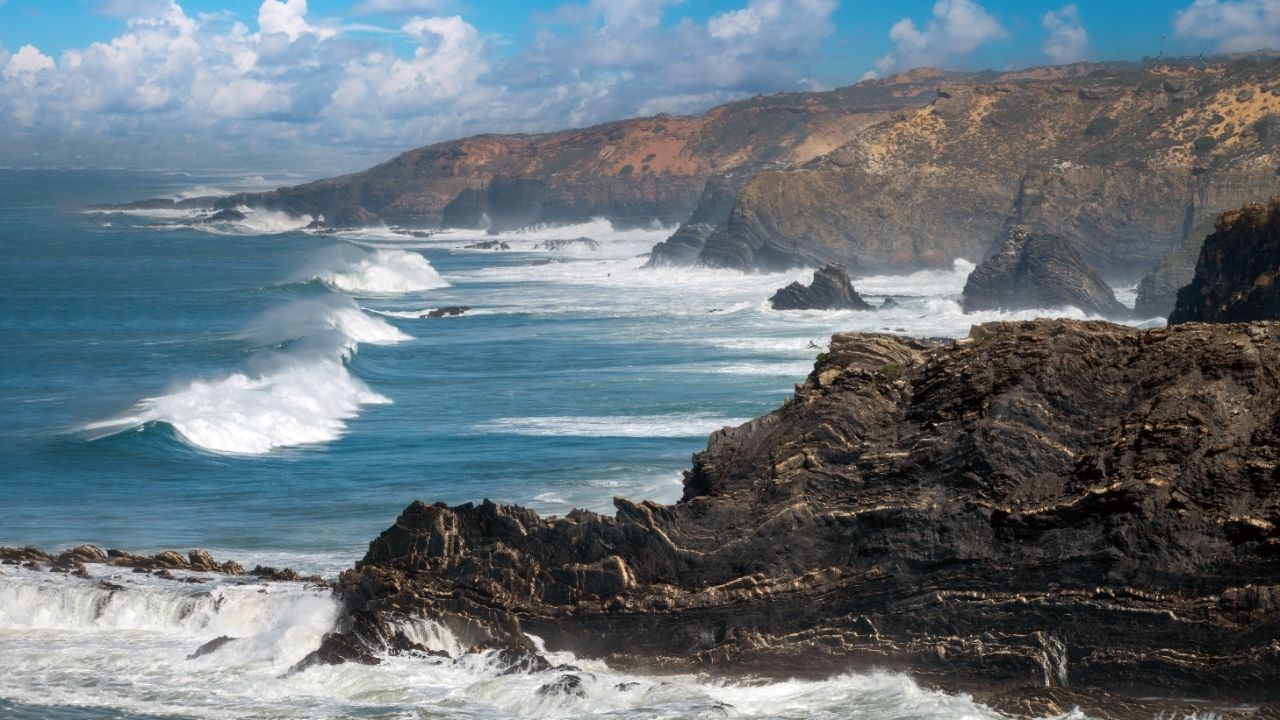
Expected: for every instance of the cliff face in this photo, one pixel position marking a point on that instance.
(1039, 514)
(1122, 162)
(632, 171)
(1235, 276)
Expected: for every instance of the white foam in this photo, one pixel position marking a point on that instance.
(297, 392)
(371, 272)
(257, 221)
(200, 191)
(672, 425)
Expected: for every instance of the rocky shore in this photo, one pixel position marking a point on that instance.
(1044, 514)
(77, 560)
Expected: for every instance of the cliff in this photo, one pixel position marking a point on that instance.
(632, 171)
(1235, 276)
(1045, 514)
(1123, 162)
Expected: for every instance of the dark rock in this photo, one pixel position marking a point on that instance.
(581, 243)
(1158, 289)
(211, 646)
(350, 216)
(448, 311)
(568, 685)
(682, 248)
(488, 245)
(1032, 271)
(1044, 514)
(1236, 277)
(889, 303)
(227, 216)
(513, 661)
(830, 290)
(202, 561)
(14, 556)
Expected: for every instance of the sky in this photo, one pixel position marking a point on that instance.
(322, 86)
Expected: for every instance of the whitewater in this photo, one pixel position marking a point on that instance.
(277, 395)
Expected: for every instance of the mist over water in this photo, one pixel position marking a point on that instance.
(278, 397)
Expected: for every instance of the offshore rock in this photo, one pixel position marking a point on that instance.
(1236, 275)
(830, 290)
(1045, 514)
(1032, 270)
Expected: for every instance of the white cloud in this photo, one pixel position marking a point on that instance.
(288, 17)
(28, 60)
(956, 29)
(1067, 41)
(1234, 25)
(291, 89)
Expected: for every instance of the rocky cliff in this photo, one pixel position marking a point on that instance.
(1031, 270)
(633, 172)
(1044, 514)
(1236, 274)
(1124, 162)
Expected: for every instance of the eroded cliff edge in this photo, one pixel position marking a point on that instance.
(1044, 514)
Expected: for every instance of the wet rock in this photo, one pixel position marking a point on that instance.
(202, 561)
(830, 290)
(1237, 276)
(1030, 270)
(578, 243)
(513, 661)
(448, 311)
(224, 216)
(211, 646)
(1043, 514)
(889, 304)
(568, 685)
(488, 245)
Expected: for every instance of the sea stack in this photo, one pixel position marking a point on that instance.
(830, 290)
(1031, 270)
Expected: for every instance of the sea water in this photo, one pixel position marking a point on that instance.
(278, 396)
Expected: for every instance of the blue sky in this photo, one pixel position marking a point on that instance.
(296, 83)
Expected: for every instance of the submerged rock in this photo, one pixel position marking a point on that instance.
(1030, 271)
(211, 646)
(830, 290)
(578, 243)
(487, 245)
(224, 216)
(1237, 274)
(448, 311)
(1044, 514)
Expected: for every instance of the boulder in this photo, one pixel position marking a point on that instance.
(1031, 270)
(448, 311)
(830, 290)
(1236, 277)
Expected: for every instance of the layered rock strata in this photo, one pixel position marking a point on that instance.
(1237, 276)
(1044, 514)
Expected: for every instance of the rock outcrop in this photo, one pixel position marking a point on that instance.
(1045, 514)
(1237, 278)
(830, 290)
(1031, 270)
(1114, 160)
(75, 560)
(682, 248)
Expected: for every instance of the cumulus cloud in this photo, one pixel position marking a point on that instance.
(1233, 25)
(955, 29)
(287, 86)
(1067, 40)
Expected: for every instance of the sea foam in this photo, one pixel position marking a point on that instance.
(297, 390)
(371, 272)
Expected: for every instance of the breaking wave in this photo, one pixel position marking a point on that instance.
(296, 390)
(355, 270)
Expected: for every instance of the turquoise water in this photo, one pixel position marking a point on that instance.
(276, 396)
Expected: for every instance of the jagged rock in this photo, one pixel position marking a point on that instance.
(1158, 289)
(1033, 271)
(202, 561)
(1236, 275)
(682, 248)
(581, 243)
(448, 311)
(830, 290)
(488, 245)
(564, 685)
(228, 215)
(1043, 514)
(889, 303)
(211, 646)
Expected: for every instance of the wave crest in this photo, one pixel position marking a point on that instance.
(371, 272)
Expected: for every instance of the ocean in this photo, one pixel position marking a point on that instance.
(278, 396)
